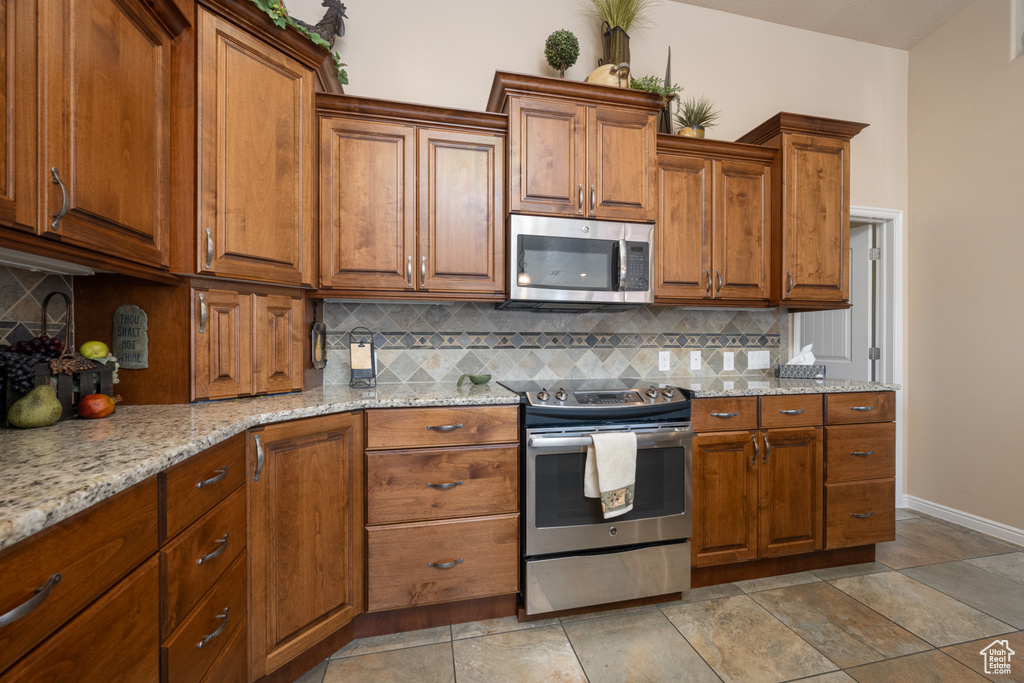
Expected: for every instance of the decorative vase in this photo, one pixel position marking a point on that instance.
(614, 45)
(692, 131)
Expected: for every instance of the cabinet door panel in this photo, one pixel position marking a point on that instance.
(256, 150)
(461, 230)
(367, 205)
(816, 233)
(279, 338)
(305, 535)
(742, 230)
(790, 490)
(621, 163)
(107, 118)
(724, 498)
(683, 235)
(223, 344)
(547, 157)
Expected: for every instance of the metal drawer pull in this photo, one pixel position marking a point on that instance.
(221, 473)
(862, 515)
(202, 313)
(862, 408)
(757, 451)
(446, 565)
(714, 414)
(862, 454)
(223, 546)
(220, 629)
(444, 428)
(65, 200)
(24, 608)
(445, 487)
(209, 248)
(768, 448)
(792, 412)
(259, 458)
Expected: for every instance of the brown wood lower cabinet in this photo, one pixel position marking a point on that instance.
(790, 491)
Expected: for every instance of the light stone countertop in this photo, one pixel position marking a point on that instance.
(49, 474)
(767, 385)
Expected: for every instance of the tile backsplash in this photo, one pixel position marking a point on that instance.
(434, 342)
(21, 300)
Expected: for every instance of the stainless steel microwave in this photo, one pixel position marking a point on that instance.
(578, 264)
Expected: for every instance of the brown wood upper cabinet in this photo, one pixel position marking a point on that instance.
(413, 206)
(714, 221)
(811, 246)
(577, 149)
(255, 152)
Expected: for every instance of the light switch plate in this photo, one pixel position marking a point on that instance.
(728, 360)
(663, 361)
(758, 360)
(695, 361)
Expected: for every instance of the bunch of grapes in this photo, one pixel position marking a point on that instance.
(17, 363)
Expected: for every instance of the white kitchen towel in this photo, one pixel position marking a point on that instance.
(610, 472)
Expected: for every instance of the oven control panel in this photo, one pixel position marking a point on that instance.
(558, 397)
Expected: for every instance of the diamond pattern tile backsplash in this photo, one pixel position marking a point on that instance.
(21, 300)
(435, 342)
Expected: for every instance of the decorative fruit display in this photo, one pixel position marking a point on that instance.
(96, 405)
(39, 408)
(17, 362)
(94, 349)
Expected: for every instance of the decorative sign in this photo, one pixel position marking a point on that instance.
(131, 338)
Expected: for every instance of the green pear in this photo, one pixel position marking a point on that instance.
(38, 408)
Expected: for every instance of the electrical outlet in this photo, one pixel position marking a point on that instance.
(695, 361)
(728, 360)
(758, 360)
(663, 361)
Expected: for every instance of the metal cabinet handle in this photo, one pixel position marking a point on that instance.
(222, 545)
(862, 454)
(789, 276)
(259, 458)
(719, 274)
(593, 199)
(221, 473)
(209, 247)
(408, 271)
(444, 428)
(202, 313)
(446, 565)
(757, 451)
(708, 274)
(792, 412)
(24, 608)
(423, 271)
(445, 487)
(220, 629)
(862, 408)
(768, 449)
(862, 515)
(579, 209)
(65, 199)
(714, 414)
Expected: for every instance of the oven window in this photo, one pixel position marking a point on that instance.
(566, 263)
(660, 488)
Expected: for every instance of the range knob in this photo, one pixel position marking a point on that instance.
(652, 393)
(560, 395)
(668, 392)
(543, 395)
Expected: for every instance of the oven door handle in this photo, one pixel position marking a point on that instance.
(642, 440)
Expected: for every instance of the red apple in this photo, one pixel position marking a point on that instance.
(96, 405)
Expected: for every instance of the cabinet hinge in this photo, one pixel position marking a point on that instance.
(874, 254)
(874, 353)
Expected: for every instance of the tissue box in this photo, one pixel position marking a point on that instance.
(800, 371)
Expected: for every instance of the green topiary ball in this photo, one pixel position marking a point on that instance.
(561, 50)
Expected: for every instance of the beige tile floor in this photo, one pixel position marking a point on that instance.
(922, 612)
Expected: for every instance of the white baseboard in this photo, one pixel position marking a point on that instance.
(985, 526)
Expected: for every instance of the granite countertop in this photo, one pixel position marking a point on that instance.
(49, 474)
(773, 386)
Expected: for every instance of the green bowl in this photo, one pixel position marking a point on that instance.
(475, 379)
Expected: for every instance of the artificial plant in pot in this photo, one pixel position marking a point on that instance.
(656, 86)
(561, 49)
(617, 18)
(695, 115)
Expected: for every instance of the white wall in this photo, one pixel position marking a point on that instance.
(966, 281)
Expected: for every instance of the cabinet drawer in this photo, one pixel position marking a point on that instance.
(183, 657)
(196, 485)
(233, 664)
(426, 427)
(724, 414)
(867, 406)
(485, 550)
(184, 580)
(876, 498)
(865, 451)
(403, 486)
(804, 410)
(115, 639)
(90, 551)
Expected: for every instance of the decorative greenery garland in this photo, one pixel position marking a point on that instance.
(278, 13)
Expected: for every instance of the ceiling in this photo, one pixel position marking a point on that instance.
(893, 23)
